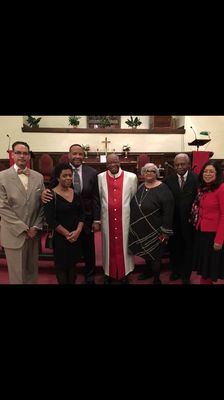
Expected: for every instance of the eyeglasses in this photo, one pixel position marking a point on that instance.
(19, 153)
(150, 170)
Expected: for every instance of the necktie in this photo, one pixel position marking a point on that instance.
(76, 181)
(182, 183)
(25, 171)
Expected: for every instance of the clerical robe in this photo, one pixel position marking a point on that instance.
(116, 192)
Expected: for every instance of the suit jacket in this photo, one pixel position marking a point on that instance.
(90, 196)
(183, 199)
(19, 209)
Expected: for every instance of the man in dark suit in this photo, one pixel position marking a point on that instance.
(84, 181)
(183, 184)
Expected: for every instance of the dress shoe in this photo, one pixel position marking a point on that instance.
(157, 281)
(107, 280)
(90, 281)
(186, 281)
(124, 281)
(174, 276)
(145, 275)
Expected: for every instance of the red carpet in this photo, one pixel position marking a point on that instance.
(47, 275)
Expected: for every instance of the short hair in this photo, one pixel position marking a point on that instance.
(186, 156)
(147, 165)
(73, 145)
(60, 167)
(22, 143)
(114, 155)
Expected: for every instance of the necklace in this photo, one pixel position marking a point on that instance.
(143, 196)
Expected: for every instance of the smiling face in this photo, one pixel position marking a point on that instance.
(65, 178)
(21, 155)
(113, 164)
(209, 174)
(76, 156)
(181, 164)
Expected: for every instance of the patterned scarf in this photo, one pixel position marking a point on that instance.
(194, 215)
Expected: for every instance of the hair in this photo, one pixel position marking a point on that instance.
(112, 154)
(60, 167)
(22, 143)
(145, 167)
(186, 156)
(219, 175)
(76, 144)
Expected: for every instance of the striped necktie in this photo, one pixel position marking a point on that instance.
(182, 182)
(76, 181)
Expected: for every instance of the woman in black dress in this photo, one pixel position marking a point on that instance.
(151, 219)
(65, 214)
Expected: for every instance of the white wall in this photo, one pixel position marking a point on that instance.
(139, 142)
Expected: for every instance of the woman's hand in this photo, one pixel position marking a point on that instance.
(217, 246)
(163, 238)
(72, 236)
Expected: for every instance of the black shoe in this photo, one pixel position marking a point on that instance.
(107, 280)
(186, 281)
(174, 276)
(124, 281)
(90, 281)
(157, 281)
(145, 275)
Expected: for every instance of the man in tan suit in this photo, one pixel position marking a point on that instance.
(21, 216)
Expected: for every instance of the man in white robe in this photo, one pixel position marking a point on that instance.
(116, 188)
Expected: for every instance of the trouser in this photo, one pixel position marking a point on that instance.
(23, 263)
(89, 255)
(181, 254)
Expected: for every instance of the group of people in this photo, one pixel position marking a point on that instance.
(184, 212)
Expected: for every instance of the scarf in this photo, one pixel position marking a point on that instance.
(194, 214)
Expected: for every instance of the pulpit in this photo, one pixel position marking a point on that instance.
(199, 158)
(199, 142)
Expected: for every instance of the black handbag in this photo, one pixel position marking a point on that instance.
(49, 240)
(50, 234)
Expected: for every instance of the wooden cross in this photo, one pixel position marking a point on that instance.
(106, 143)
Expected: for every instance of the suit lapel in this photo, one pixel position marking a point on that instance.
(31, 184)
(16, 181)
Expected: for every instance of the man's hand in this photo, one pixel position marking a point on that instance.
(32, 233)
(46, 196)
(96, 227)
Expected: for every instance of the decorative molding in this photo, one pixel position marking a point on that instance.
(106, 130)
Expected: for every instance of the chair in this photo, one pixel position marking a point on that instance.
(2, 166)
(141, 161)
(64, 158)
(46, 166)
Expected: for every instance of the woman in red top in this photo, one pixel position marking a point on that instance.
(208, 218)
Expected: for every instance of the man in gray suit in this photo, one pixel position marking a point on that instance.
(21, 216)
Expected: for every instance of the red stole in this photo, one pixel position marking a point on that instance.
(116, 247)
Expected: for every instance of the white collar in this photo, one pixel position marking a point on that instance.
(79, 169)
(185, 176)
(115, 176)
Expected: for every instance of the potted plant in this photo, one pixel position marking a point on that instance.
(86, 148)
(104, 122)
(74, 120)
(33, 122)
(133, 122)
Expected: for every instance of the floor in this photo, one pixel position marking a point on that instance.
(47, 275)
